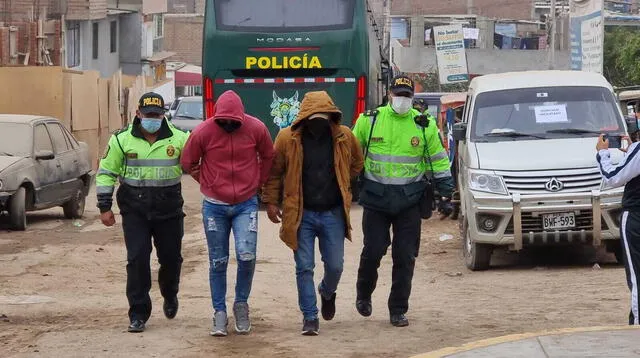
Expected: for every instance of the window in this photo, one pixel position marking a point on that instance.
(284, 15)
(70, 139)
(548, 112)
(42, 140)
(114, 36)
(59, 140)
(73, 44)
(95, 40)
(158, 21)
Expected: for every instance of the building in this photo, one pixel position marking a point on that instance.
(101, 35)
(499, 32)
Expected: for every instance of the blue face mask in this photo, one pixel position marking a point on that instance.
(151, 125)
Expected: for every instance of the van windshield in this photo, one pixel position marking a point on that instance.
(545, 112)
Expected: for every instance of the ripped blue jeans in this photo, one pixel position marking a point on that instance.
(219, 220)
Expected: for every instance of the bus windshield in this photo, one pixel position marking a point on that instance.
(284, 15)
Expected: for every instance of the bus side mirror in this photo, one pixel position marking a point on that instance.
(460, 131)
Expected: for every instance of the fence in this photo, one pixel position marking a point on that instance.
(89, 106)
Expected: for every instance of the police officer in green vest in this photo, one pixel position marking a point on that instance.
(392, 187)
(145, 158)
(442, 171)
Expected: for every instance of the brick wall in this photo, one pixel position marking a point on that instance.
(86, 9)
(500, 9)
(183, 35)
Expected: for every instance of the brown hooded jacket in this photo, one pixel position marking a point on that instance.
(286, 172)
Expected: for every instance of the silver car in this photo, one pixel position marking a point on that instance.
(189, 113)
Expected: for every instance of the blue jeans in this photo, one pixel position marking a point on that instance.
(329, 227)
(218, 222)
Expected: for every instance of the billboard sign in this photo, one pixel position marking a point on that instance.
(450, 54)
(587, 35)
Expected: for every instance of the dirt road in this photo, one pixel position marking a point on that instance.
(62, 294)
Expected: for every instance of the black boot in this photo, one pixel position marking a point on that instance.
(170, 307)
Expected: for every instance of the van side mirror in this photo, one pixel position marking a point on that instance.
(45, 155)
(460, 131)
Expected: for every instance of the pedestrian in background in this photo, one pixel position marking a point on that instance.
(230, 156)
(145, 157)
(627, 174)
(315, 160)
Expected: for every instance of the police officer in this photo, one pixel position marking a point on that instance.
(438, 162)
(627, 174)
(392, 188)
(145, 157)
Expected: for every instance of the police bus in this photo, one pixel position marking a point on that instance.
(271, 52)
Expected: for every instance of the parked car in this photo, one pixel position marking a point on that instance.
(526, 163)
(41, 166)
(173, 106)
(189, 113)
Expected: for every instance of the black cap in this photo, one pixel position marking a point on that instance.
(402, 85)
(151, 102)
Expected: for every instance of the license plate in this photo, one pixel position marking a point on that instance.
(557, 221)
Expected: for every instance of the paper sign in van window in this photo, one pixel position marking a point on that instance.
(551, 114)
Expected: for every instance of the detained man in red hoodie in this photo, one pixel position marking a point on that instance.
(230, 156)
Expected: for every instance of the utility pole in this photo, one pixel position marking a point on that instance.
(552, 36)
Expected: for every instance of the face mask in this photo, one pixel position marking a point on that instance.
(229, 126)
(151, 125)
(401, 105)
(317, 126)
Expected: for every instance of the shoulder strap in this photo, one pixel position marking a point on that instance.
(373, 114)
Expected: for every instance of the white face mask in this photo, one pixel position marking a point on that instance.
(401, 105)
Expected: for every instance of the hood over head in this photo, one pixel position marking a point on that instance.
(315, 102)
(229, 106)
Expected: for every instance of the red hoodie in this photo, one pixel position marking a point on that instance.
(232, 166)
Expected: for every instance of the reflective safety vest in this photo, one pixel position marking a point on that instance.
(396, 154)
(135, 162)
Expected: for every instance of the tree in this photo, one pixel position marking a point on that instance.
(621, 53)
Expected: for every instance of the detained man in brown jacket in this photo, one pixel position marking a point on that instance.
(315, 160)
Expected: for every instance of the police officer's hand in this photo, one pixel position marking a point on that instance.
(602, 143)
(274, 213)
(107, 218)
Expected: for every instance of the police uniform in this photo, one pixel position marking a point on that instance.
(627, 174)
(150, 201)
(393, 185)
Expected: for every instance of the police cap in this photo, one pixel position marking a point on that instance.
(402, 85)
(151, 102)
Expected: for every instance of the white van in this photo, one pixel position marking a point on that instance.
(527, 170)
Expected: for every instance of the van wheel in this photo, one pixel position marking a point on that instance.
(17, 210)
(74, 208)
(477, 256)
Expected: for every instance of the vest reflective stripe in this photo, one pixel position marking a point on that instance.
(152, 162)
(104, 189)
(151, 182)
(438, 175)
(392, 180)
(107, 172)
(394, 158)
(439, 156)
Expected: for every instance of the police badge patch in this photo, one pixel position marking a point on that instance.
(171, 150)
(415, 141)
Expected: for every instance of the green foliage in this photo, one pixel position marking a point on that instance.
(621, 54)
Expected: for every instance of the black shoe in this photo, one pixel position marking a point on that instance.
(170, 307)
(399, 320)
(328, 307)
(310, 327)
(136, 326)
(364, 307)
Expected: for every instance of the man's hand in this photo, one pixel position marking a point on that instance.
(107, 218)
(602, 143)
(274, 213)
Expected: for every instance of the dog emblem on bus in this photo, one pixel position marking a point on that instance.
(284, 110)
